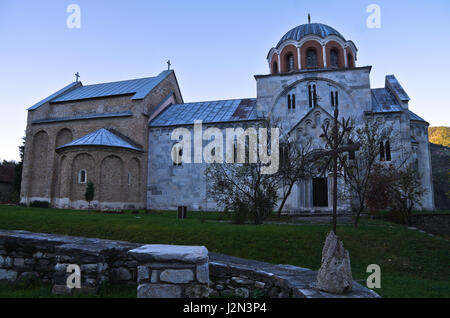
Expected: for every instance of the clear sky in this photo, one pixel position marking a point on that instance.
(215, 47)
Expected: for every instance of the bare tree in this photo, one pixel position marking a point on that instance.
(243, 186)
(296, 163)
(358, 166)
(246, 186)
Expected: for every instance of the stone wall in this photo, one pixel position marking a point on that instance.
(160, 270)
(167, 271)
(236, 277)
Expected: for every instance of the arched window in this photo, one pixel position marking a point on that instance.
(382, 153)
(311, 57)
(388, 151)
(334, 98)
(291, 102)
(177, 156)
(334, 58)
(312, 94)
(284, 155)
(275, 68)
(82, 176)
(351, 153)
(129, 178)
(289, 62)
(350, 61)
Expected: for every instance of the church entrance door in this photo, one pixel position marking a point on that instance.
(320, 192)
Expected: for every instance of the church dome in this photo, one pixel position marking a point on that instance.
(319, 29)
(311, 46)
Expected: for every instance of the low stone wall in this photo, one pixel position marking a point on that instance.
(166, 271)
(432, 223)
(179, 270)
(237, 277)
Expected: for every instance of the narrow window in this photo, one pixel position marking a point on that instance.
(351, 153)
(289, 62)
(382, 153)
(314, 95)
(310, 96)
(82, 176)
(129, 178)
(388, 151)
(284, 155)
(311, 57)
(336, 99)
(178, 156)
(350, 61)
(293, 101)
(334, 57)
(332, 99)
(275, 68)
(289, 101)
(235, 152)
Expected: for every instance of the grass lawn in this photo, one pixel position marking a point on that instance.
(413, 264)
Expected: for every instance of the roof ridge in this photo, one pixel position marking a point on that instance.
(212, 101)
(113, 82)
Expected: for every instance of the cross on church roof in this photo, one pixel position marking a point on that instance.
(77, 75)
(168, 65)
(309, 18)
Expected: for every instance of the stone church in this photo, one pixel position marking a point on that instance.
(118, 135)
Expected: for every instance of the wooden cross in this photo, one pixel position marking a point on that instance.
(77, 75)
(168, 65)
(335, 142)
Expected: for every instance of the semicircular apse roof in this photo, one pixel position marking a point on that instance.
(103, 137)
(303, 30)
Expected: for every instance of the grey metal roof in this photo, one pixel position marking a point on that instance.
(85, 116)
(383, 101)
(303, 30)
(58, 93)
(139, 87)
(413, 116)
(208, 112)
(397, 88)
(103, 137)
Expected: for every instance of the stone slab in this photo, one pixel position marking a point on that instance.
(186, 254)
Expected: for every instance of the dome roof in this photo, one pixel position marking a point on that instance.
(303, 30)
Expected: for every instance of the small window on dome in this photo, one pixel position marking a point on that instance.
(275, 68)
(311, 57)
(350, 61)
(334, 57)
(289, 62)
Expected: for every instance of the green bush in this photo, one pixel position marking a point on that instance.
(241, 213)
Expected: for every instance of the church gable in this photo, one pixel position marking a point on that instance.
(311, 124)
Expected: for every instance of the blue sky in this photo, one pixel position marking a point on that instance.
(215, 47)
